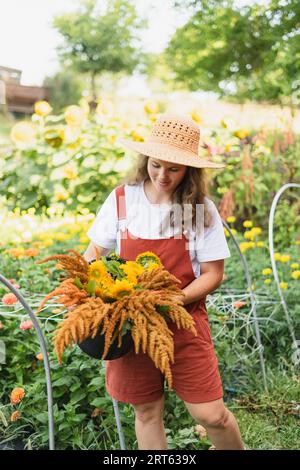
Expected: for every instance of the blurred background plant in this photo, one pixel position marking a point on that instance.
(232, 67)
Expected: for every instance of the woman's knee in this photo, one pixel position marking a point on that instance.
(150, 412)
(210, 415)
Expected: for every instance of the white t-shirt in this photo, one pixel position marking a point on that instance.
(144, 219)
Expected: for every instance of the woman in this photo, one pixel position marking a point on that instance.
(166, 194)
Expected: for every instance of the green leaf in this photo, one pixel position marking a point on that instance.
(162, 308)
(113, 268)
(91, 287)
(78, 283)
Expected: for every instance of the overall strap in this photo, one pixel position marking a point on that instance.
(121, 206)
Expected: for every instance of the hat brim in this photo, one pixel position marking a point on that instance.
(169, 153)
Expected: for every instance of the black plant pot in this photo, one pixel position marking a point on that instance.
(94, 347)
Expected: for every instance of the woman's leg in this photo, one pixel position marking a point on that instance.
(219, 422)
(149, 425)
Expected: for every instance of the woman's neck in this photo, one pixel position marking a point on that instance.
(154, 196)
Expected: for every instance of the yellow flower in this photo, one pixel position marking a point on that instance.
(233, 231)
(153, 265)
(111, 139)
(295, 265)
(256, 230)
(61, 195)
(249, 235)
(241, 133)
(267, 271)
(151, 108)
(42, 108)
(260, 244)
(277, 256)
(248, 223)
(196, 117)
(97, 270)
(132, 270)
(227, 149)
(296, 274)
(23, 133)
(121, 288)
(136, 136)
(84, 239)
(231, 219)
(55, 137)
(283, 285)
(69, 172)
(267, 281)
(74, 116)
(147, 257)
(285, 258)
(244, 246)
(226, 232)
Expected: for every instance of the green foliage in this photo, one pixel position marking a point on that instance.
(245, 52)
(66, 88)
(96, 42)
(83, 411)
(68, 166)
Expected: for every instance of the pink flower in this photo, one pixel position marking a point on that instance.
(26, 325)
(14, 283)
(9, 299)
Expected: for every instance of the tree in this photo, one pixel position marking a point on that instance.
(97, 42)
(66, 88)
(250, 52)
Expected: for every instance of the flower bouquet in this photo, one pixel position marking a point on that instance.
(120, 302)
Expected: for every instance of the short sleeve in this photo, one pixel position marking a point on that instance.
(103, 231)
(213, 245)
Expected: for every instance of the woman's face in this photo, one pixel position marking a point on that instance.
(165, 176)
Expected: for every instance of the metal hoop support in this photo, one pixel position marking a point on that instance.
(253, 306)
(271, 249)
(45, 357)
(119, 424)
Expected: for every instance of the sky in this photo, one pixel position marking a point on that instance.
(28, 41)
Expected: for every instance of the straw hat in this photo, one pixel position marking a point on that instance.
(173, 138)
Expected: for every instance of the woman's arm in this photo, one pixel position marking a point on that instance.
(94, 251)
(211, 276)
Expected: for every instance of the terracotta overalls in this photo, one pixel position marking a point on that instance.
(134, 378)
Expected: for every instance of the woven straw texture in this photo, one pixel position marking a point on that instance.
(173, 138)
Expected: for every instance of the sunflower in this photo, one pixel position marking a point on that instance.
(120, 288)
(97, 270)
(153, 265)
(146, 258)
(132, 270)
